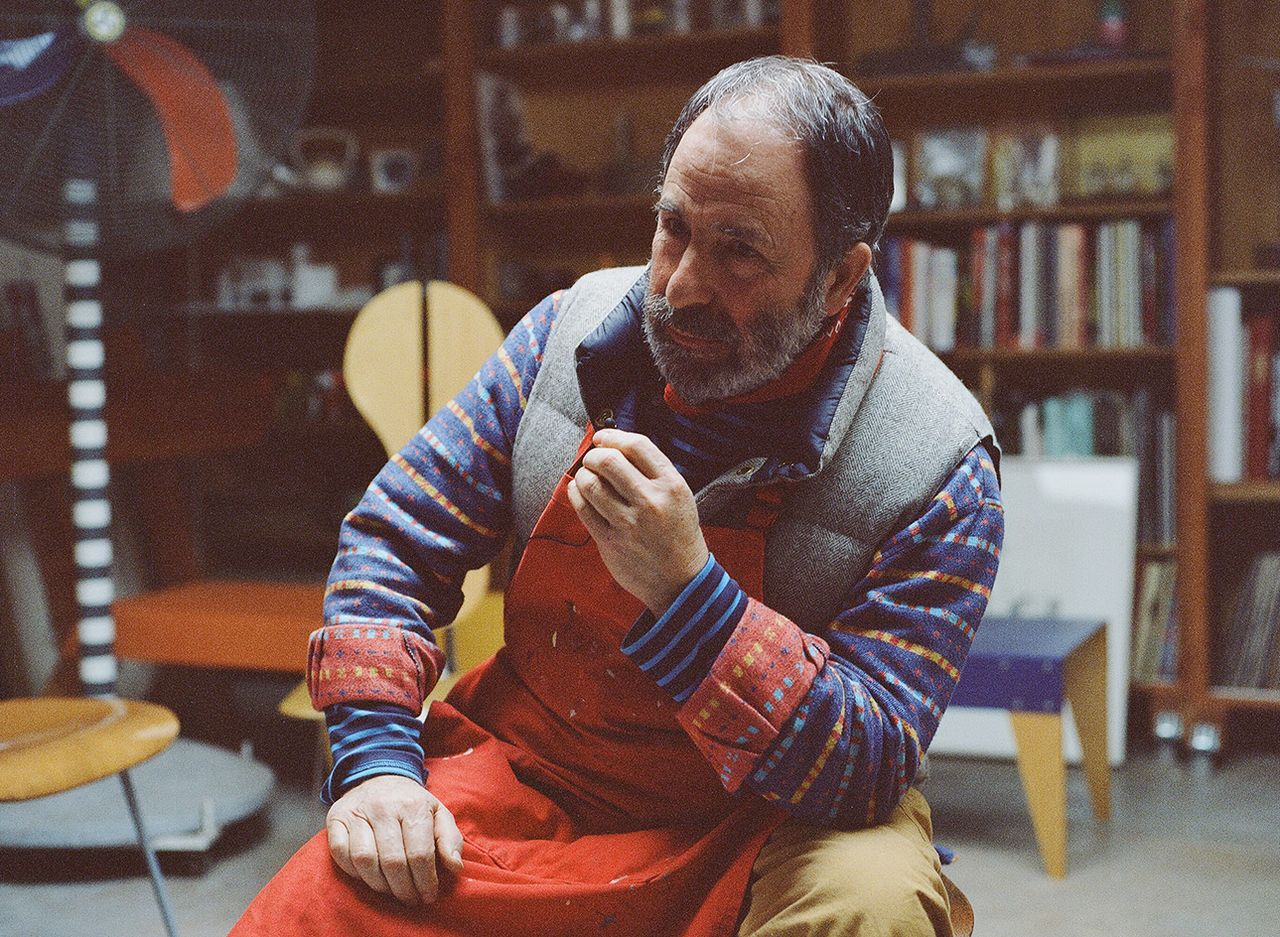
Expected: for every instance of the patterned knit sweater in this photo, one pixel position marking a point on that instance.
(837, 740)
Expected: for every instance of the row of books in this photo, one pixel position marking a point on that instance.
(1251, 644)
(1244, 388)
(1103, 423)
(1036, 285)
(1155, 625)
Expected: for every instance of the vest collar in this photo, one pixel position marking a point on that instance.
(614, 364)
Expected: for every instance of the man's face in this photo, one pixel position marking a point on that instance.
(730, 301)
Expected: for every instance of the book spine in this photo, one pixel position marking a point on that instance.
(1006, 286)
(1226, 385)
(1258, 378)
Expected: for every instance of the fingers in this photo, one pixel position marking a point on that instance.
(420, 849)
(640, 450)
(614, 468)
(448, 839)
(383, 833)
(340, 846)
(596, 524)
(364, 855)
(393, 861)
(612, 507)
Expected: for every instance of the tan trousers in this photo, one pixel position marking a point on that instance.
(879, 882)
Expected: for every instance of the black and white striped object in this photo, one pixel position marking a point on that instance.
(86, 395)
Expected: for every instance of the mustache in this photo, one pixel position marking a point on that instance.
(702, 321)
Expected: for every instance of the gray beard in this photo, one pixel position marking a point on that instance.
(756, 354)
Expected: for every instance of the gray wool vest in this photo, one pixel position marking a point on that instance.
(903, 424)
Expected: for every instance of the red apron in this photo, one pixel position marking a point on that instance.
(583, 804)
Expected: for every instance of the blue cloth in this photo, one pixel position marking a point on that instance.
(32, 65)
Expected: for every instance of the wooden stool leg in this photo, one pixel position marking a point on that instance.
(1084, 676)
(1044, 780)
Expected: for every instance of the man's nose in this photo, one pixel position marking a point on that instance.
(688, 284)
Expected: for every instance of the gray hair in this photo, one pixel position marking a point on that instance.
(847, 152)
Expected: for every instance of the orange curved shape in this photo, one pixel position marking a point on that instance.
(193, 111)
(50, 744)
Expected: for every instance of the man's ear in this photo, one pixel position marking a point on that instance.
(843, 281)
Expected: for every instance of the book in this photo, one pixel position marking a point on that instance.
(898, 202)
(1252, 618)
(1226, 384)
(1259, 419)
(1154, 619)
(943, 292)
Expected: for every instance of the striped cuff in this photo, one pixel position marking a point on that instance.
(370, 739)
(678, 649)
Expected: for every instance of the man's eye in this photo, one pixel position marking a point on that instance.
(672, 225)
(742, 249)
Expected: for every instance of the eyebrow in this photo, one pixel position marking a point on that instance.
(750, 235)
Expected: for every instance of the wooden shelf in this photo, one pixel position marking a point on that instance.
(339, 215)
(1021, 91)
(576, 219)
(1083, 358)
(205, 311)
(1045, 371)
(1232, 697)
(667, 59)
(1262, 491)
(1092, 211)
(1152, 688)
(1246, 279)
(170, 415)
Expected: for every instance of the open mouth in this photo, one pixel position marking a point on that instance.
(698, 343)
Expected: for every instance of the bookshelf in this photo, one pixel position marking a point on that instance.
(379, 81)
(1233, 155)
(943, 220)
(1176, 69)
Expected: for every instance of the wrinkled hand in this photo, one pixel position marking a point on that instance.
(388, 832)
(642, 516)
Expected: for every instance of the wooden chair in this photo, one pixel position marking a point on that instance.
(382, 370)
(52, 744)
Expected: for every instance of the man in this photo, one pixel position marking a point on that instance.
(711, 707)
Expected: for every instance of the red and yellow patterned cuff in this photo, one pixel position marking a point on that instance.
(371, 663)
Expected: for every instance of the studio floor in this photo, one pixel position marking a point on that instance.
(1187, 854)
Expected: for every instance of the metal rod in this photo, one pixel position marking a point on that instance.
(153, 865)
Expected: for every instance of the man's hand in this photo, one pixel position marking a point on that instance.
(388, 832)
(642, 516)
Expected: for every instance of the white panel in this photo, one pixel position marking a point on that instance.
(101, 668)
(1070, 537)
(91, 515)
